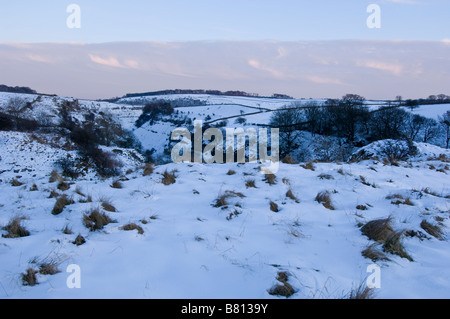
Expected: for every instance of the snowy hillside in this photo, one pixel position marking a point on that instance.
(215, 231)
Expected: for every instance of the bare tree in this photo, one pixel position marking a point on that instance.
(444, 120)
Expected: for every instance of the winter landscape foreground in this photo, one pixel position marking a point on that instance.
(154, 229)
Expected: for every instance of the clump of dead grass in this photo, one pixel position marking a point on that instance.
(324, 198)
(15, 228)
(61, 203)
(169, 177)
(133, 226)
(94, 220)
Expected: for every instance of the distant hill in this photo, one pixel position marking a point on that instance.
(209, 92)
(16, 89)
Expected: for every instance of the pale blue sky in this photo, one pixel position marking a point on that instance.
(193, 20)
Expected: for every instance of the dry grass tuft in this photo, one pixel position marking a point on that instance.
(324, 198)
(373, 254)
(63, 186)
(433, 230)
(274, 207)
(290, 194)
(55, 177)
(250, 183)
(231, 172)
(309, 166)
(29, 278)
(148, 169)
(221, 200)
(362, 292)
(283, 289)
(393, 245)
(169, 177)
(80, 240)
(16, 183)
(326, 176)
(133, 226)
(49, 268)
(61, 203)
(288, 159)
(378, 230)
(271, 179)
(96, 220)
(117, 184)
(15, 229)
(107, 205)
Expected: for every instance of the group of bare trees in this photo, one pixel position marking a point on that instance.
(350, 120)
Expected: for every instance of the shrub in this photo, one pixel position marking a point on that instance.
(15, 229)
(96, 220)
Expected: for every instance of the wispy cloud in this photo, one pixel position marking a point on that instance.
(394, 68)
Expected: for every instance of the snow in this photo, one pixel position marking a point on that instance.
(191, 249)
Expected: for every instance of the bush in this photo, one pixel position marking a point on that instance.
(153, 111)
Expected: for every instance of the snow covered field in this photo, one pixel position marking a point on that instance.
(221, 231)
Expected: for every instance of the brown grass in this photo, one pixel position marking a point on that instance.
(362, 292)
(283, 289)
(133, 226)
(96, 220)
(221, 200)
(80, 240)
(29, 278)
(55, 177)
(169, 177)
(290, 194)
(324, 198)
(117, 184)
(250, 183)
(231, 172)
(148, 169)
(271, 179)
(61, 203)
(378, 230)
(393, 245)
(373, 254)
(288, 159)
(63, 186)
(309, 166)
(325, 176)
(49, 268)
(107, 205)
(67, 230)
(274, 207)
(433, 230)
(16, 183)
(15, 229)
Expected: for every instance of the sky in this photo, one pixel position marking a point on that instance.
(140, 37)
